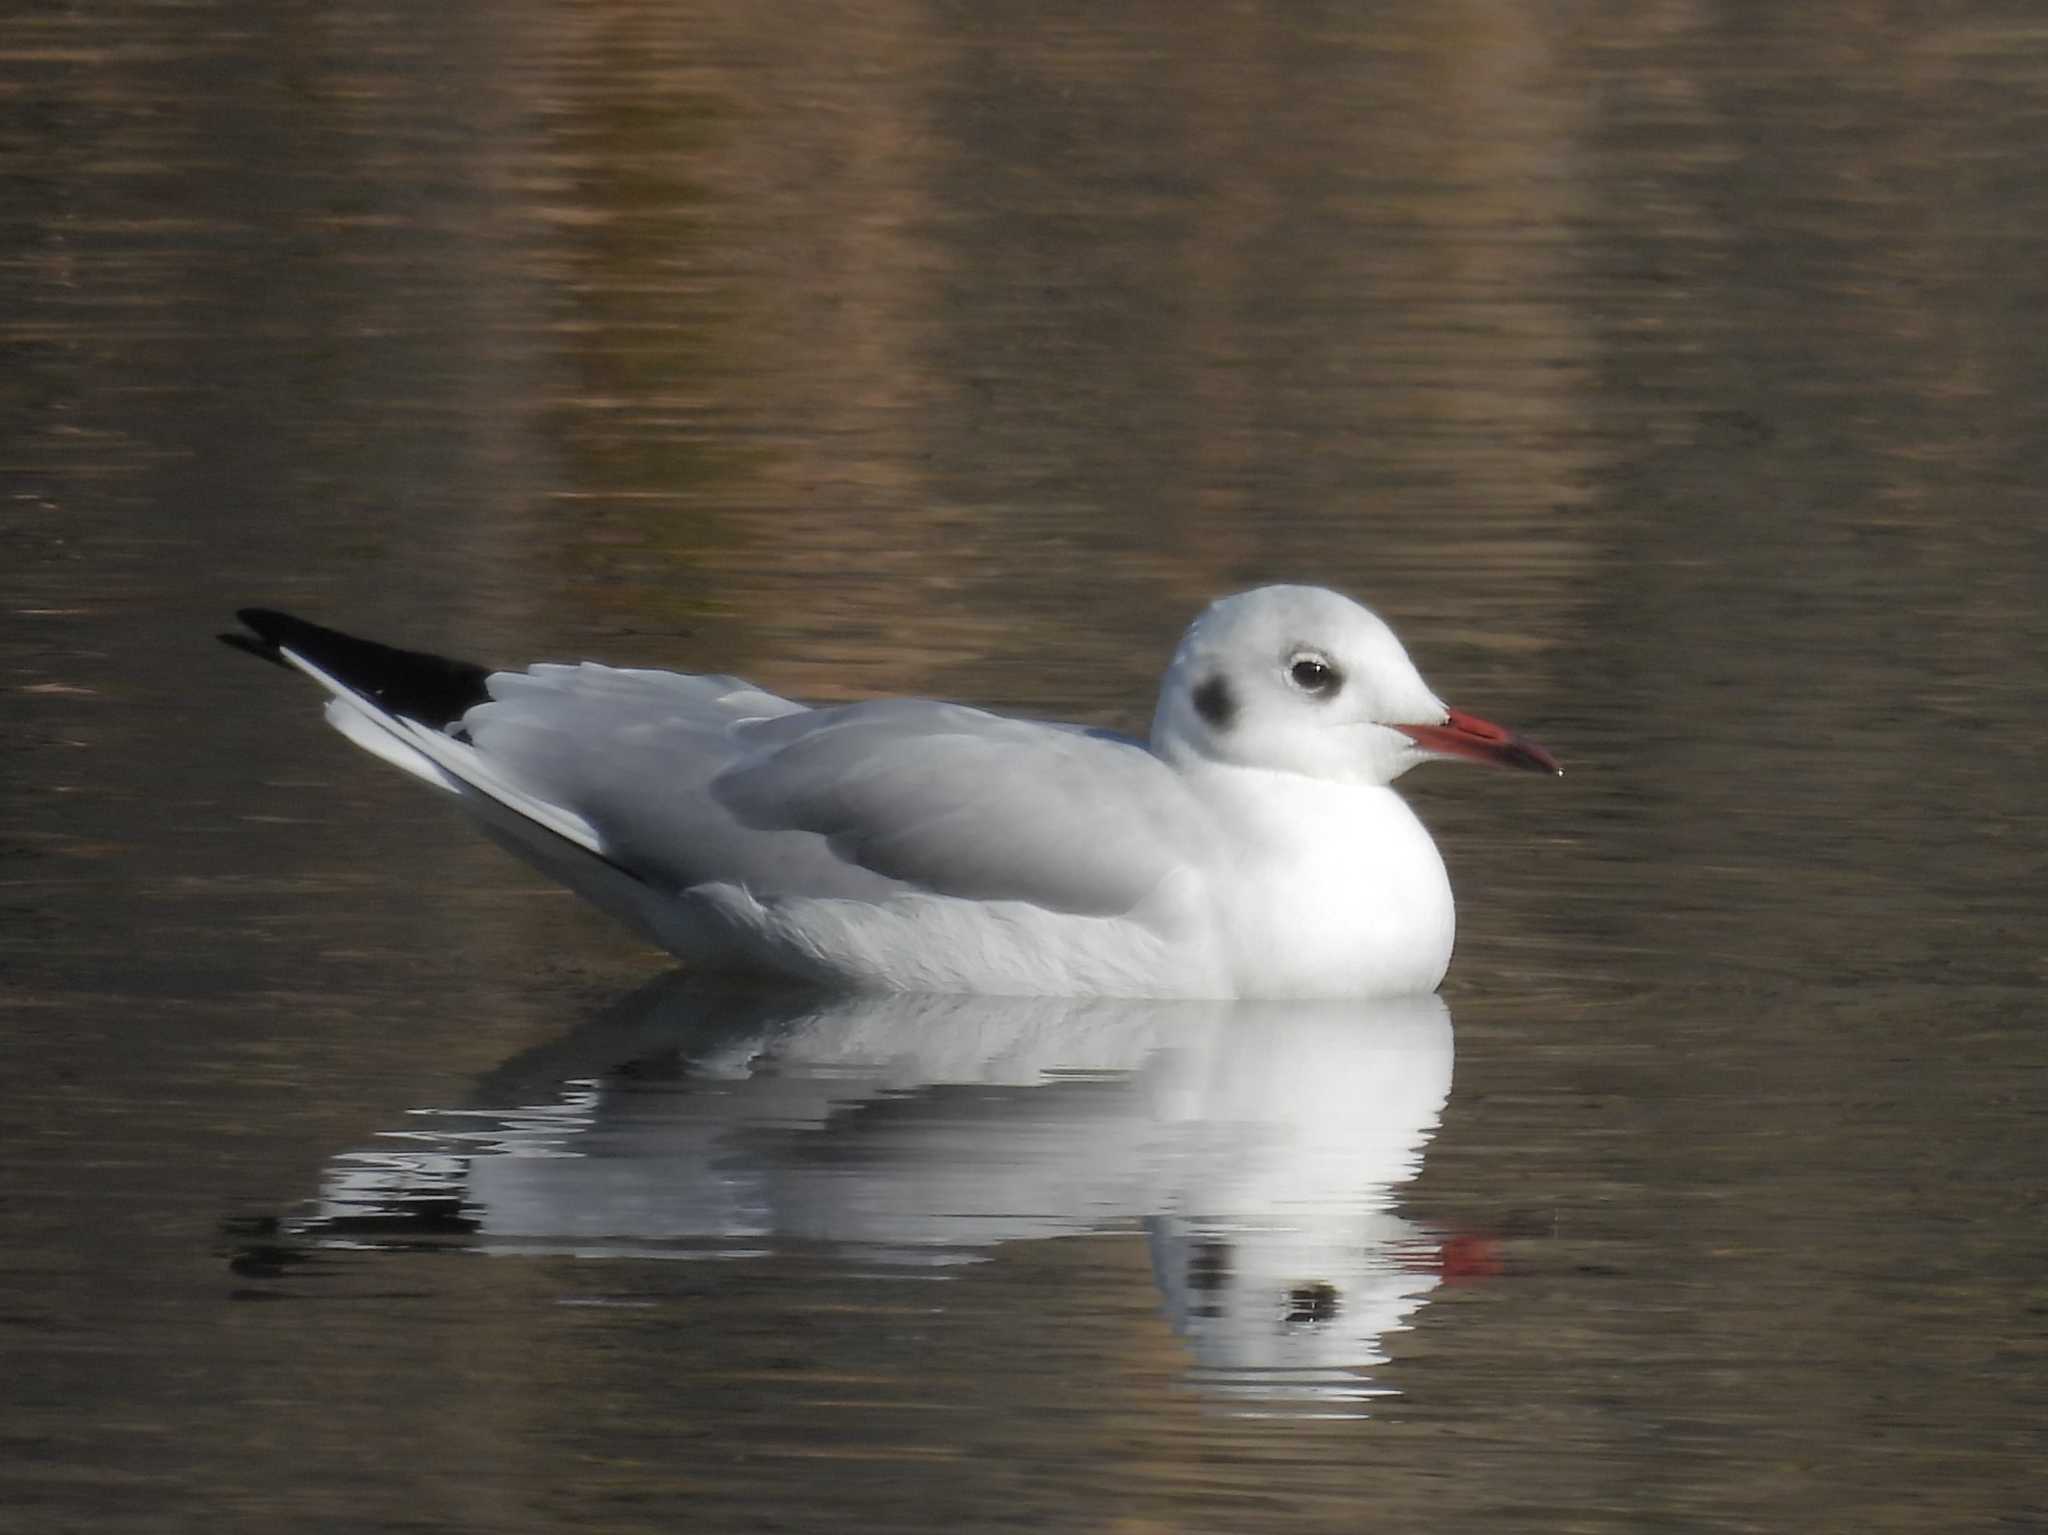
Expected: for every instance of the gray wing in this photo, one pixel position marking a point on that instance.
(698, 780)
(957, 801)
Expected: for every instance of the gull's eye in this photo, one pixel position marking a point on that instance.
(1314, 676)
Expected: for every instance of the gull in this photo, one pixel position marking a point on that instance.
(1252, 847)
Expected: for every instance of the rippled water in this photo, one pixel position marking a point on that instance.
(1670, 376)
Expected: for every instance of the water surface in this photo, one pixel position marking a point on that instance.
(1669, 376)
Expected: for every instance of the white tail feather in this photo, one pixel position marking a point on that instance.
(438, 759)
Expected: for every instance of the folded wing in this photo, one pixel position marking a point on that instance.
(959, 802)
(692, 781)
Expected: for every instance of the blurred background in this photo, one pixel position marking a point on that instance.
(1669, 375)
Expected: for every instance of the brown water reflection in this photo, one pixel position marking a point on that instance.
(1668, 375)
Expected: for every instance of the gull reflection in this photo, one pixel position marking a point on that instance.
(1258, 1145)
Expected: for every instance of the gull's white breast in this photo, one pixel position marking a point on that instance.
(1322, 889)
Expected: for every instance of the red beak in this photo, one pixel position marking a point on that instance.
(1467, 735)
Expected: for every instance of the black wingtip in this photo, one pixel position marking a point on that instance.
(274, 630)
(270, 623)
(249, 644)
(417, 684)
(270, 627)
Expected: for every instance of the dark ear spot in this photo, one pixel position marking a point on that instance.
(1215, 702)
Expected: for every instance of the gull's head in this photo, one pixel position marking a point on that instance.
(1301, 680)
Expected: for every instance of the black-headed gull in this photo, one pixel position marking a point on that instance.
(1253, 848)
